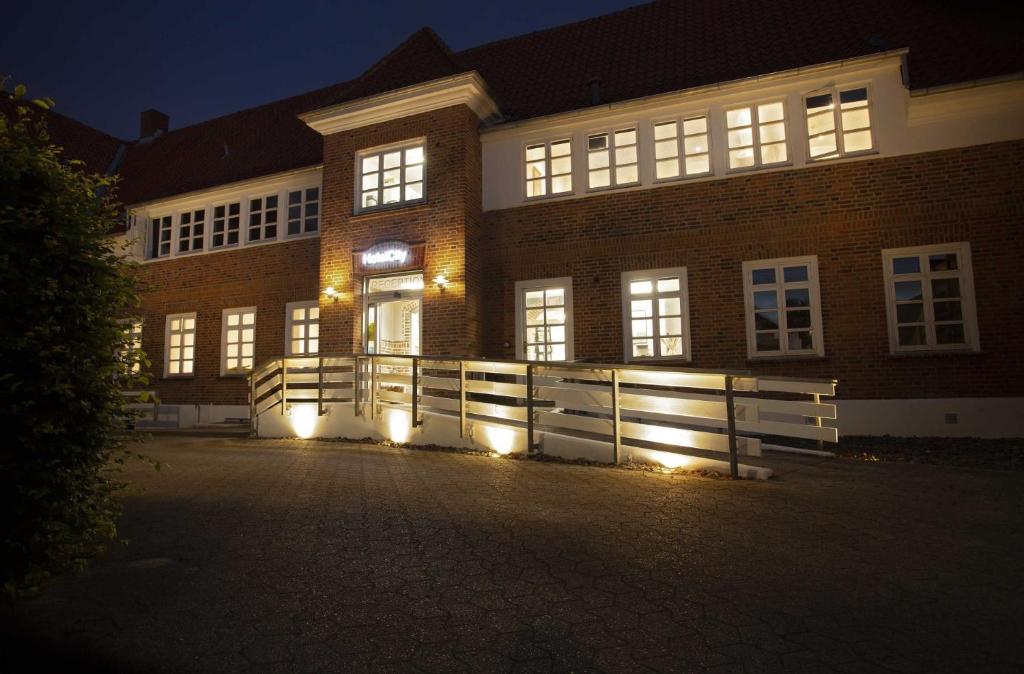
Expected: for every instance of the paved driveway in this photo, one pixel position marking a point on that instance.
(275, 555)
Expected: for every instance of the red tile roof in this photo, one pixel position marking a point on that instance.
(658, 47)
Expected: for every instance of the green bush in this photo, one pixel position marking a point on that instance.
(64, 353)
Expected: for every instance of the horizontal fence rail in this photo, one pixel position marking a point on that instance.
(628, 406)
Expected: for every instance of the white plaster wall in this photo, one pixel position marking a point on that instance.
(976, 417)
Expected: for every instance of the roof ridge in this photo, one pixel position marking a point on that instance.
(385, 60)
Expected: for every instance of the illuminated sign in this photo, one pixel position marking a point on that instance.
(388, 256)
(395, 255)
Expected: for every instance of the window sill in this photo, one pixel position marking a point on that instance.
(786, 359)
(851, 155)
(240, 375)
(935, 353)
(178, 377)
(390, 208)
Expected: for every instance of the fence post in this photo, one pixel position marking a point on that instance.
(284, 384)
(616, 423)
(356, 393)
(529, 407)
(373, 388)
(730, 415)
(252, 401)
(817, 421)
(415, 392)
(462, 398)
(320, 387)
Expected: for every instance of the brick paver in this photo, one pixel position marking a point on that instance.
(279, 555)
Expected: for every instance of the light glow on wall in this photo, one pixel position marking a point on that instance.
(304, 420)
(669, 459)
(501, 440)
(399, 426)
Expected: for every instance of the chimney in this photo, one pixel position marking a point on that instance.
(152, 122)
(594, 86)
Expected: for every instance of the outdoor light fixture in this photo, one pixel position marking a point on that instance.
(441, 281)
(332, 293)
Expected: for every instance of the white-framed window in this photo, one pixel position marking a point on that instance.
(783, 307)
(128, 354)
(612, 159)
(263, 218)
(929, 293)
(548, 168)
(180, 345)
(303, 211)
(302, 328)
(655, 314)
(682, 154)
(161, 231)
(392, 176)
(544, 319)
(237, 340)
(191, 230)
(838, 130)
(227, 220)
(757, 135)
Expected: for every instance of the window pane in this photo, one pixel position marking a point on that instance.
(821, 146)
(767, 341)
(535, 153)
(695, 165)
(695, 125)
(314, 313)
(560, 148)
(772, 133)
(643, 328)
(413, 191)
(554, 297)
(794, 274)
(910, 313)
(669, 306)
(942, 262)
(535, 298)
(770, 112)
(557, 351)
(392, 160)
(414, 155)
(906, 265)
(773, 154)
(800, 341)
(625, 155)
(908, 290)
(946, 287)
(597, 142)
(670, 326)
(856, 119)
(665, 149)
(800, 318)
(561, 184)
(800, 297)
(671, 346)
(641, 308)
(766, 299)
(641, 288)
(643, 348)
(627, 137)
(950, 334)
(741, 137)
(858, 141)
(668, 168)
(414, 174)
(912, 335)
(371, 164)
(766, 320)
(663, 131)
(626, 174)
(741, 158)
(556, 315)
(668, 285)
(739, 117)
(948, 311)
(853, 96)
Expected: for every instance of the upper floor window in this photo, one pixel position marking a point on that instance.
(238, 340)
(783, 308)
(303, 210)
(303, 328)
(161, 231)
(686, 153)
(226, 220)
(263, 218)
(835, 131)
(180, 345)
(191, 230)
(930, 298)
(391, 176)
(757, 135)
(544, 319)
(612, 159)
(549, 168)
(655, 314)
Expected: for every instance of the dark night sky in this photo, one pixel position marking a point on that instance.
(103, 63)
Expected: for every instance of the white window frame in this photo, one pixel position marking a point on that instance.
(133, 335)
(612, 148)
(226, 205)
(183, 332)
(968, 307)
(522, 287)
(780, 286)
(524, 164)
(755, 125)
(289, 322)
(683, 294)
(249, 241)
(304, 203)
(192, 238)
(379, 153)
(162, 220)
(838, 129)
(224, 327)
(680, 146)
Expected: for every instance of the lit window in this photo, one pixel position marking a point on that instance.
(544, 319)
(303, 328)
(692, 146)
(263, 218)
(226, 220)
(191, 228)
(180, 345)
(160, 231)
(930, 298)
(303, 210)
(655, 314)
(835, 132)
(757, 135)
(129, 354)
(783, 307)
(238, 340)
(612, 159)
(548, 168)
(391, 176)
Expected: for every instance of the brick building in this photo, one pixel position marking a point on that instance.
(659, 185)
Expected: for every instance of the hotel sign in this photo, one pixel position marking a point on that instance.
(388, 256)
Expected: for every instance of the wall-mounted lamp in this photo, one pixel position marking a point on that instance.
(441, 281)
(332, 294)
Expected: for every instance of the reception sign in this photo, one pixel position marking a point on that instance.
(388, 256)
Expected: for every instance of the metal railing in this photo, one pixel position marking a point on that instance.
(655, 407)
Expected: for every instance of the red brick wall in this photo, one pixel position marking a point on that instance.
(449, 222)
(267, 277)
(845, 213)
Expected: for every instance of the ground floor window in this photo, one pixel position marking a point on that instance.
(783, 307)
(930, 298)
(393, 310)
(303, 328)
(656, 314)
(238, 340)
(544, 319)
(180, 345)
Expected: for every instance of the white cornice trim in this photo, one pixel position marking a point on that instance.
(226, 190)
(468, 89)
(997, 96)
(893, 57)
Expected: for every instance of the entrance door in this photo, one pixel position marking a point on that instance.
(393, 309)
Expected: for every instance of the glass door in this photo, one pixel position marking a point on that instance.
(393, 309)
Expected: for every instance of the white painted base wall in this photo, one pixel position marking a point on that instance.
(190, 416)
(975, 417)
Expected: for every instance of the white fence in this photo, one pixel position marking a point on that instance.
(578, 410)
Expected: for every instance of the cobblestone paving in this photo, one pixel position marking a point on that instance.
(305, 556)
